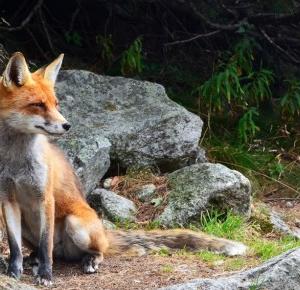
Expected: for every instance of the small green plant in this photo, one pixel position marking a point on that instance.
(258, 87)
(290, 102)
(237, 87)
(246, 126)
(235, 263)
(106, 46)
(276, 169)
(152, 225)
(225, 225)
(125, 224)
(266, 249)
(167, 269)
(131, 61)
(256, 285)
(163, 252)
(236, 82)
(209, 257)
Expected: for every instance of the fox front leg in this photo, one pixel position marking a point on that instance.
(12, 216)
(45, 249)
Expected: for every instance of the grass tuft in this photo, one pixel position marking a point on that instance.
(223, 225)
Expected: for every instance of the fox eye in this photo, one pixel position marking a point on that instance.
(39, 105)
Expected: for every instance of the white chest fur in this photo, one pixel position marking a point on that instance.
(23, 172)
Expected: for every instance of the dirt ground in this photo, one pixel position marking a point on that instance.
(148, 272)
(288, 208)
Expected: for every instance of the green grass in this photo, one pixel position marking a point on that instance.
(163, 252)
(126, 224)
(234, 227)
(266, 249)
(235, 263)
(167, 268)
(209, 257)
(223, 225)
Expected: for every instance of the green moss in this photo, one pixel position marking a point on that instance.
(167, 268)
(109, 106)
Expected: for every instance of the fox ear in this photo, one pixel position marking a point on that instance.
(16, 71)
(50, 71)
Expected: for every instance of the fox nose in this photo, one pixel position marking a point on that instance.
(66, 126)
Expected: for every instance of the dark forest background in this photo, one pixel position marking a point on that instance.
(234, 63)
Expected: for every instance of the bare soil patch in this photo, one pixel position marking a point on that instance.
(118, 272)
(149, 272)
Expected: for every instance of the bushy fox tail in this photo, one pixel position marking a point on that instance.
(140, 242)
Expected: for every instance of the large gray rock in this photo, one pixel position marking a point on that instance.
(143, 125)
(279, 273)
(196, 188)
(114, 206)
(89, 156)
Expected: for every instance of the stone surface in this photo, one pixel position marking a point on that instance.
(279, 273)
(146, 192)
(196, 188)
(109, 225)
(107, 183)
(280, 225)
(114, 206)
(143, 125)
(89, 155)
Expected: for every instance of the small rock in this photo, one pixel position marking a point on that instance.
(289, 204)
(137, 281)
(146, 192)
(107, 183)
(280, 225)
(108, 224)
(277, 222)
(195, 188)
(157, 201)
(115, 207)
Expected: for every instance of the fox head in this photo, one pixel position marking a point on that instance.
(27, 100)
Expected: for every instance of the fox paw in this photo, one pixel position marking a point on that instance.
(15, 270)
(44, 276)
(43, 281)
(91, 263)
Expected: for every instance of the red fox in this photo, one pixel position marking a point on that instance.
(42, 203)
